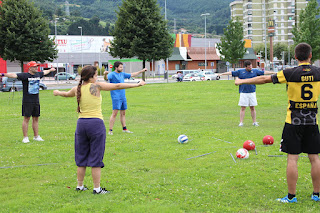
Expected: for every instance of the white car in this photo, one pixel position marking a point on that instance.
(209, 75)
(193, 77)
(184, 72)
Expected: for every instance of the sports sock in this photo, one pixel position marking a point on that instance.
(80, 187)
(97, 189)
(316, 193)
(124, 128)
(290, 196)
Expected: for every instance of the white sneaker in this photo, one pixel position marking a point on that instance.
(255, 124)
(38, 138)
(240, 124)
(25, 140)
(127, 131)
(110, 133)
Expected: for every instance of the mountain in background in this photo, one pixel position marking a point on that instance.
(187, 13)
(184, 14)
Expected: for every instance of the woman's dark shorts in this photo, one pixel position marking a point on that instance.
(90, 139)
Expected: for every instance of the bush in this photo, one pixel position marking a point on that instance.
(79, 70)
(102, 70)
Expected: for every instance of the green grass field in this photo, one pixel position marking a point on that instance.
(148, 171)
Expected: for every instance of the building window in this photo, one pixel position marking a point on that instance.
(202, 64)
(249, 25)
(249, 32)
(249, 12)
(249, 6)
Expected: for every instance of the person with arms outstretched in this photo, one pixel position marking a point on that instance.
(247, 92)
(300, 133)
(30, 99)
(119, 100)
(90, 135)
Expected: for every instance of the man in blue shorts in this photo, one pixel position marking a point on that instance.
(301, 132)
(30, 100)
(119, 100)
(247, 92)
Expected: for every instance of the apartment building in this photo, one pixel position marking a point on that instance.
(255, 14)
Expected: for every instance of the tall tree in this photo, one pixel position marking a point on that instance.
(24, 33)
(231, 46)
(308, 28)
(140, 31)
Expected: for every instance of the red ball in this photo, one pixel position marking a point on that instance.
(268, 140)
(249, 145)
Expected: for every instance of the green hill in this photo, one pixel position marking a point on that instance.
(185, 12)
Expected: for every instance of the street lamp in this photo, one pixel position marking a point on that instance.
(55, 33)
(205, 39)
(81, 47)
(165, 16)
(265, 34)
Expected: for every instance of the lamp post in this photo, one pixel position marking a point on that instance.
(55, 33)
(81, 48)
(265, 34)
(165, 16)
(205, 39)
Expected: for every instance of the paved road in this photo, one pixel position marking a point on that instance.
(52, 84)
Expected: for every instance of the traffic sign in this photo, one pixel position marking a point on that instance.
(111, 66)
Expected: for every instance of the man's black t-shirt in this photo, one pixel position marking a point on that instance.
(30, 86)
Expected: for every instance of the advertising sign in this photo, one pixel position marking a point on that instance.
(85, 44)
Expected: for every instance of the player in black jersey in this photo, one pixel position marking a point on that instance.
(300, 133)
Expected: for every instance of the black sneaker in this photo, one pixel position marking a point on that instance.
(102, 191)
(84, 189)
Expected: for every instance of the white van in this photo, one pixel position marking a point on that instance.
(208, 75)
(184, 73)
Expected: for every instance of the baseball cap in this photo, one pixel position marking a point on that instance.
(32, 64)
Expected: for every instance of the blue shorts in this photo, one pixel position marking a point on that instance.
(119, 104)
(90, 140)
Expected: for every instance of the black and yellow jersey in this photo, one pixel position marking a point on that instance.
(303, 88)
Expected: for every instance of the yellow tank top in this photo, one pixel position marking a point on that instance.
(90, 105)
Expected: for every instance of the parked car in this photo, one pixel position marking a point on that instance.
(0, 83)
(184, 73)
(12, 84)
(64, 76)
(193, 77)
(209, 75)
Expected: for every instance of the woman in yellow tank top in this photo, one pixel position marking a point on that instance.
(90, 135)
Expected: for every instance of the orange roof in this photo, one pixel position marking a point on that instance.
(198, 53)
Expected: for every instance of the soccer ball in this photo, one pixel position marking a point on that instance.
(182, 139)
(242, 153)
(249, 145)
(268, 140)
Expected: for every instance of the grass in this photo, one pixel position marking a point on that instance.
(147, 171)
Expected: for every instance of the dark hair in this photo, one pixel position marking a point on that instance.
(117, 64)
(302, 51)
(86, 73)
(247, 63)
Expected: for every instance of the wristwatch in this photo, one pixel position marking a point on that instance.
(2, 74)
